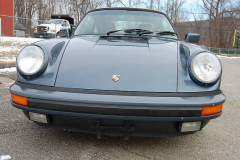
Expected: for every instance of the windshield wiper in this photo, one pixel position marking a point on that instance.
(166, 33)
(135, 30)
(147, 32)
(138, 31)
(108, 33)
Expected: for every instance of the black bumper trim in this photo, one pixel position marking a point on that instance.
(120, 93)
(120, 110)
(44, 35)
(113, 117)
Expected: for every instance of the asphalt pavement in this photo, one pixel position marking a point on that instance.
(220, 139)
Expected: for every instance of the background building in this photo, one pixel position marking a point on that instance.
(19, 30)
(6, 18)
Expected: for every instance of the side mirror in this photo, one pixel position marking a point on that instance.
(73, 27)
(63, 33)
(192, 38)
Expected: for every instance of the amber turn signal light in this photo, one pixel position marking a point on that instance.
(19, 100)
(209, 110)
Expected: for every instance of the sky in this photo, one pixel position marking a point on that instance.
(189, 5)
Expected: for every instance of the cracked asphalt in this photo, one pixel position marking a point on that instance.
(220, 139)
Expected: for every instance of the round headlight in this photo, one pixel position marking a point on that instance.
(30, 60)
(205, 68)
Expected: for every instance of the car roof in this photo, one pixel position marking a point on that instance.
(129, 9)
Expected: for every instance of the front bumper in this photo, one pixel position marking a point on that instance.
(44, 35)
(85, 112)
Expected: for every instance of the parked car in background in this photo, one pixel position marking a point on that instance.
(53, 26)
(123, 72)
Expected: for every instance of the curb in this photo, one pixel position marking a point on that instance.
(7, 64)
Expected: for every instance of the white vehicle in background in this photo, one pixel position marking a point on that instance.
(53, 26)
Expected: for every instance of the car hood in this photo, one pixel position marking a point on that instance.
(144, 64)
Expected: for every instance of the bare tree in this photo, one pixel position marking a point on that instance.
(19, 8)
(222, 21)
(229, 22)
(215, 20)
(110, 3)
(158, 5)
(131, 3)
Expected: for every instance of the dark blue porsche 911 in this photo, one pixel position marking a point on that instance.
(122, 72)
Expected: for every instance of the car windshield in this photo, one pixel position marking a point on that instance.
(117, 21)
(55, 21)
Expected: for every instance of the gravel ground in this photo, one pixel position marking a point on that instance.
(220, 139)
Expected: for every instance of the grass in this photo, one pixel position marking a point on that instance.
(9, 44)
(12, 53)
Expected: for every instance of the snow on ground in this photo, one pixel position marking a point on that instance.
(5, 157)
(10, 46)
(4, 70)
(20, 40)
(222, 57)
(7, 59)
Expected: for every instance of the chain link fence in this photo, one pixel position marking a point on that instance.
(23, 27)
(224, 51)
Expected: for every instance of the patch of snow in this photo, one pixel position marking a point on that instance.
(19, 39)
(8, 49)
(7, 59)
(14, 45)
(12, 69)
(222, 57)
(5, 157)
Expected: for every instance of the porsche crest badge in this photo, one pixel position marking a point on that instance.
(115, 78)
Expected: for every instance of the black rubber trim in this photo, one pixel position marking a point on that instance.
(114, 117)
(120, 93)
(121, 110)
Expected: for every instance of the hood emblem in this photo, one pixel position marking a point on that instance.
(115, 78)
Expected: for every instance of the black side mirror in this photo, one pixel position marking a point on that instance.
(73, 27)
(192, 38)
(63, 33)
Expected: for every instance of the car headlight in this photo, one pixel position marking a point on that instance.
(205, 68)
(31, 61)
